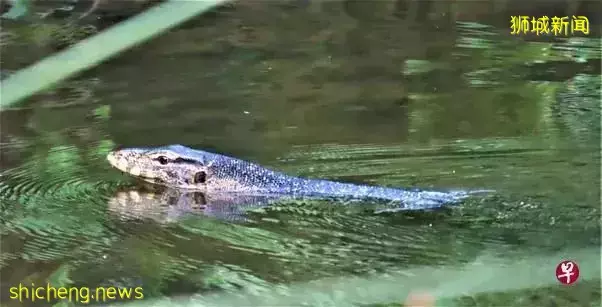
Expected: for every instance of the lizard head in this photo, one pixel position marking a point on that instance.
(174, 165)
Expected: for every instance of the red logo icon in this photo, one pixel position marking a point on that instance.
(567, 272)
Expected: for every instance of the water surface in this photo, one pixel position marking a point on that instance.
(436, 103)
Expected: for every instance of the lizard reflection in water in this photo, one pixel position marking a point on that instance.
(164, 204)
(227, 182)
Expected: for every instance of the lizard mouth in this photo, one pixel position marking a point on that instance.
(154, 180)
(158, 181)
(117, 162)
(125, 167)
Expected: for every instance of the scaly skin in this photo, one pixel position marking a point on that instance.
(183, 168)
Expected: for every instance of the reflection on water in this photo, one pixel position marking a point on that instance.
(435, 105)
(170, 204)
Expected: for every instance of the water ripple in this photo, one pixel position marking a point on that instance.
(55, 207)
(23, 183)
(359, 243)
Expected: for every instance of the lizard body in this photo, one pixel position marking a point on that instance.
(180, 167)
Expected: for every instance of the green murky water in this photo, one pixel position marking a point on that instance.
(435, 103)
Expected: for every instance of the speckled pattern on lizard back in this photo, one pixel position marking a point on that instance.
(180, 167)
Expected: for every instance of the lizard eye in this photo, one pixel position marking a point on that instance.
(162, 159)
(200, 177)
